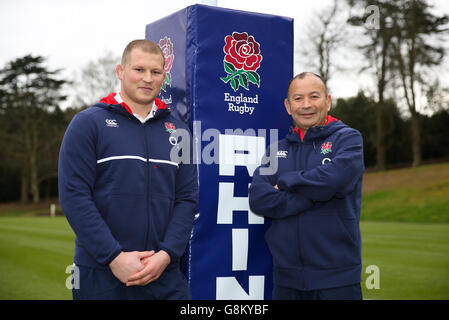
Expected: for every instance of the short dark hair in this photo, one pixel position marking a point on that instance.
(144, 45)
(302, 75)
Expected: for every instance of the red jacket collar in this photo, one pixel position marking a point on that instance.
(329, 119)
(110, 99)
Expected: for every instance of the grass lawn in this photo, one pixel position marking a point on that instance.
(405, 233)
(413, 258)
(34, 254)
(411, 195)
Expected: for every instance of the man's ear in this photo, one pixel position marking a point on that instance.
(119, 71)
(287, 106)
(329, 102)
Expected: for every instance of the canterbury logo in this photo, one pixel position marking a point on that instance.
(282, 154)
(111, 123)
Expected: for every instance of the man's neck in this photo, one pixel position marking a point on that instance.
(141, 109)
(302, 131)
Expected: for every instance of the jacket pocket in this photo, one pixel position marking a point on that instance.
(126, 218)
(282, 241)
(163, 177)
(160, 214)
(327, 242)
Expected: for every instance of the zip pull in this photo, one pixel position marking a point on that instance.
(314, 147)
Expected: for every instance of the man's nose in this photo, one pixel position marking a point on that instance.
(307, 103)
(148, 77)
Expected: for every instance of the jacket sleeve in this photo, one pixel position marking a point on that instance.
(333, 179)
(180, 226)
(267, 201)
(76, 180)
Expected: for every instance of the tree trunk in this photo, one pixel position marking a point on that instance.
(415, 126)
(381, 148)
(381, 159)
(416, 139)
(34, 181)
(24, 186)
(48, 189)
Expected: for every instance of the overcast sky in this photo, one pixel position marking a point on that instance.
(70, 33)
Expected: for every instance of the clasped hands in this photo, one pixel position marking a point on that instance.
(139, 267)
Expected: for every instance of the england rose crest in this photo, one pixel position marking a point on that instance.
(169, 127)
(167, 48)
(241, 61)
(326, 147)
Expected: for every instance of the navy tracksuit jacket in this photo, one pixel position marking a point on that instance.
(118, 187)
(315, 235)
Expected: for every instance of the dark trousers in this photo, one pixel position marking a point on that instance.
(101, 284)
(351, 292)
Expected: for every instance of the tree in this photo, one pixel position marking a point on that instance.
(437, 96)
(403, 45)
(354, 110)
(435, 131)
(414, 29)
(378, 51)
(96, 80)
(325, 34)
(9, 168)
(29, 99)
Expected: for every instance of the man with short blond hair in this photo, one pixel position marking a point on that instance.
(130, 206)
(142, 44)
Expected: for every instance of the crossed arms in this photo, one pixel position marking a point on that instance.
(292, 192)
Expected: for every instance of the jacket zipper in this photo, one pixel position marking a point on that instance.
(300, 257)
(147, 187)
(300, 147)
